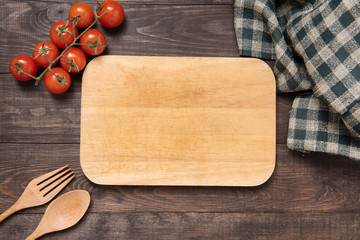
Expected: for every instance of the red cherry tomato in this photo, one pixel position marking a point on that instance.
(74, 60)
(22, 65)
(42, 48)
(93, 42)
(84, 11)
(63, 30)
(114, 15)
(57, 80)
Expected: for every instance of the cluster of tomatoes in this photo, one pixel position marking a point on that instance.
(64, 35)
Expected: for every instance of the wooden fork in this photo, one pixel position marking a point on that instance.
(41, 190)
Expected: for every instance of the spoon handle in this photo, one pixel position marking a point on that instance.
(36, 233)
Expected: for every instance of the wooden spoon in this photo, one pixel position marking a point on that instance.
(62, 213)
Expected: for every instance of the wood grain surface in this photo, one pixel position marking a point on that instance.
(309, 196)
(180, 121)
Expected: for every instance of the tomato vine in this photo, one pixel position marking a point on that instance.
(38, 79)
(64, 35)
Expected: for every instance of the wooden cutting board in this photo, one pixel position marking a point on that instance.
(178, 121)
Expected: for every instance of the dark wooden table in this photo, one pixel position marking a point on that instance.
(309, 196)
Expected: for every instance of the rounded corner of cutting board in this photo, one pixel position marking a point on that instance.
(88, 175)
(263, 65)
(93, 64)
(93, 61)
(266, 177)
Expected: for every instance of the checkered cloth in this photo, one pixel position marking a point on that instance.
(315, 45)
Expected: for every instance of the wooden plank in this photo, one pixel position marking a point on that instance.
(283, 107)
(175, 225)
(32, 114)
(162, 30)
(181, 121)
(301, 183)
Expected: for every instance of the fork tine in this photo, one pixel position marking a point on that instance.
(58, 188)
(53, 178)
(44, 177)
(48, 188)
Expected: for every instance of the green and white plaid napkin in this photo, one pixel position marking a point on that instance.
(316, 48)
